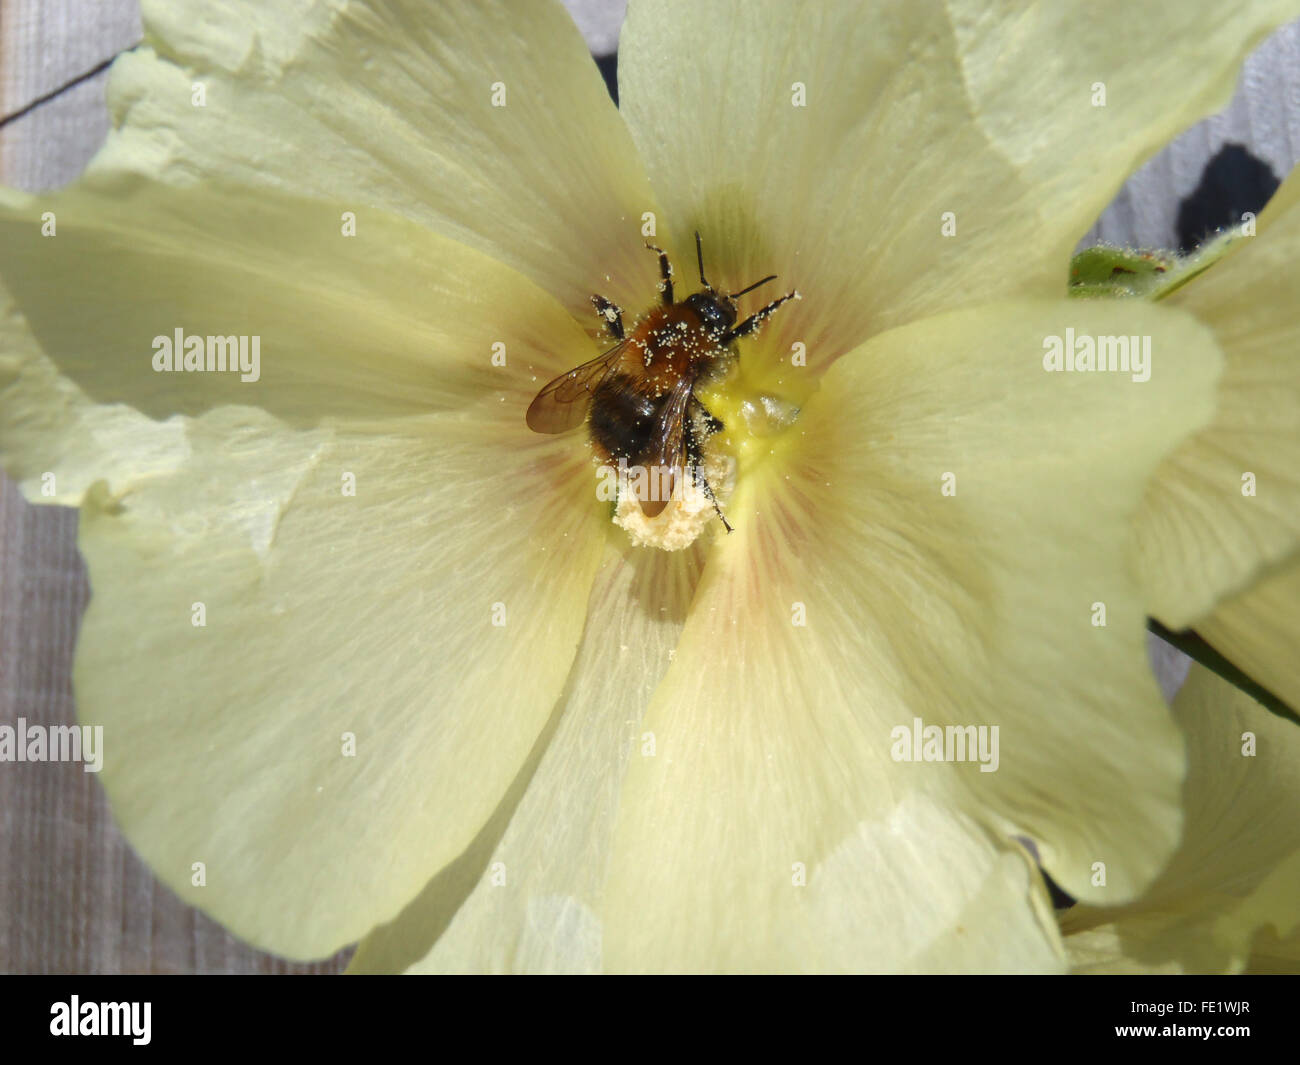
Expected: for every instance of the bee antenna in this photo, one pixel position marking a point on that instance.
(733, 295)
(699, 255)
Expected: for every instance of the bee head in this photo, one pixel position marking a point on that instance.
(717, 312)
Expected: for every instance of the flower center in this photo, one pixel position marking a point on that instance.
(750, 422)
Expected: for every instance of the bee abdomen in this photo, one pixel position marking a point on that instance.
(623, 418)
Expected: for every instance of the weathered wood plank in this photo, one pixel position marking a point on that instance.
(47, 44)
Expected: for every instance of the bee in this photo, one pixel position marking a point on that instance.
(640, 394)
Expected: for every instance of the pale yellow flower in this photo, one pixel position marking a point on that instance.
(648, 765)
(1229, 900)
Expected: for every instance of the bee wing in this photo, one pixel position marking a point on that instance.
(667, 447)
(562, 404)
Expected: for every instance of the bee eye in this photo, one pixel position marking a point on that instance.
(712, 314)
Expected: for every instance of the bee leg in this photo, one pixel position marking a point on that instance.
(714, 425)
(756, 319)
(708, 492)
(665, 275)
(612, 315)
(695, 459)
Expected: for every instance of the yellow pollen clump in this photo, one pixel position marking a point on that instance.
(688, 513)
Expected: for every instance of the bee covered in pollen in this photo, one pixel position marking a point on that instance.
(640, 394)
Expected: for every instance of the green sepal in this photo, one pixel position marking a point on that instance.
(1105, 271)
(1108, 272)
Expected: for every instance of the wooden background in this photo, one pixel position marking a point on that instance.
(73, 896)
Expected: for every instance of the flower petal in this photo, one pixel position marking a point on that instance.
(1201, 536)
(324, 605)
(1077, 96)
(54, 441)
(844, 197)
(1237, 870)
(527, 894)
(909, 111)
(388, 104)
(393, 321)
(777, 740)
(1258, 631)
(251, 621)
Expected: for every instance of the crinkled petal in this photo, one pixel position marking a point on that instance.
(1227, 503)
(389, 104)
(856, 598)
(901, 159)
(526, 896)
(55, 441)
(1230, 897)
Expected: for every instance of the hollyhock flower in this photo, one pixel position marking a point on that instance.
(1229, 900)
(370, 657)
